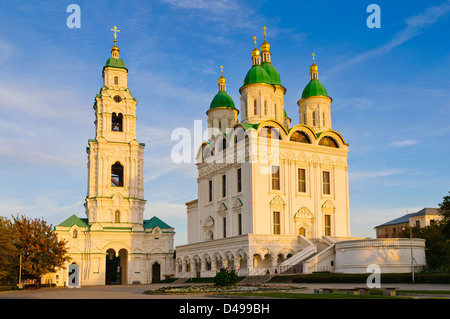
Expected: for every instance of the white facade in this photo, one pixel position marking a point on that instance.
(274, 198)
(265, 190)
(114, 244)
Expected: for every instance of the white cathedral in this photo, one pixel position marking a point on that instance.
(273, 197)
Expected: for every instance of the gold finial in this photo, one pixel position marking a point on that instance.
(222, 81)
(115, 50)
(265, 47)
(314, 69)
(254, 40)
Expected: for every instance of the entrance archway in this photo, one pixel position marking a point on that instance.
(112, 276)
(116, 267)
(156, 272)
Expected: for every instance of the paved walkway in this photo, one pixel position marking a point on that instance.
(136, 291)
(95, 292)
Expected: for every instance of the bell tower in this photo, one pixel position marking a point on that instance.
(115, 194)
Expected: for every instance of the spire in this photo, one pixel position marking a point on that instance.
(314, 69)
(115, 50)
(256, 57)
(265, 48)
(222, 81)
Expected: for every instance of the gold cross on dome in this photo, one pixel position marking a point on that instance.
(115, 32)
(254, 40)
(313, 55)
(265, 29)
(221, 70)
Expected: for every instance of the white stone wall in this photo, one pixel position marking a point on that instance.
(393, 255)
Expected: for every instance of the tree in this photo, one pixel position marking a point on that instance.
(7, 251)
(226, 277)
(437, 239)
(436, 249)
(37, 246)
(444, 209)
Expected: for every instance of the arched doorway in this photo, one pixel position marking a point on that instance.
(116, 267)
(156, 272)
(112, 276)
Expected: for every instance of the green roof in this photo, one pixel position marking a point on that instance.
(257, 74)
(222, 99)
(314, 88)
(155, 222)
(272, 72)
(115, 63)
(74, 220)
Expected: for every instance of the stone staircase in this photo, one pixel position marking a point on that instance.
(254, 280)
(180, 281)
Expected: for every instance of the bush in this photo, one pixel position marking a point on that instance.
(226, 277)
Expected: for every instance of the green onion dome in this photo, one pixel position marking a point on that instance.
(273, 73)
(222, 99)
(115, 63)
(257, 74)
(314, 88)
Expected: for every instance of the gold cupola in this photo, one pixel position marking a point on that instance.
(256, 56)
(265, 48)
(222, 81)
(314, 69)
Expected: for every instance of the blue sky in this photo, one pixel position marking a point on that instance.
(390, 90)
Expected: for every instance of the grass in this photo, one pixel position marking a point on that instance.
(288, 295)
(420, 278)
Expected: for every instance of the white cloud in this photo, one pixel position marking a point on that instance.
(165, 210)
(364, 175)
(404, 143)
(414, 26)
(204, 4)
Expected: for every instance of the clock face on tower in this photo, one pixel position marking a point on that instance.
(117, 99)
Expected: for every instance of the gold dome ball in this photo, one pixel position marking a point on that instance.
(222, 80)
(255, 52)
(265, 46)
(115, 48)
(314, 67)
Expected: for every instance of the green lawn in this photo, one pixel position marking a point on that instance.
(288, 295)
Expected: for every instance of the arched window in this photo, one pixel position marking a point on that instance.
(328, 141)
(255, 110)
(117, 217)
(314, 118)
(116, 122)
(117, 174)
(299, 137)
(75, 233)
(116, 80)
(265, 107)
(156, 234)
